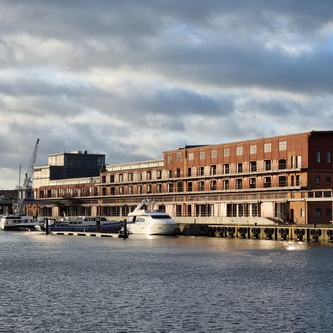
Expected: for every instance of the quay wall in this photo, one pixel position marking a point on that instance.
(309, 233)
(227, 220)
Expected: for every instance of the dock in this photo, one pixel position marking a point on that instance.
(78, 233)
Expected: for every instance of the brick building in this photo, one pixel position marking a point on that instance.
(284, 179)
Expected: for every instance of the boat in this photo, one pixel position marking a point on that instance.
(153, 221)
(86, 224)
(20, 223)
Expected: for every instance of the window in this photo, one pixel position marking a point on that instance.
(178, 210)
(201, 171)
(282, 145)
(121, 178)
(253, 166)
(189, 172)
(189, 210)
(318, 156)
(139, 176)
(239, 167)
(159, 174)
(148, 188)
(267, 182)
(299, 162)
(170, 173)
(226, 184)
(226, 152)
(159, 188)
(178, 172)
(252, 183)
(130, 177)
(282, 164)
(140, 189)
(121, 190)
(302, 212)
(201, 186)
(239, 151)
(103, 190)
(282, 181)
(112, 179)
(328, 180)
(292, 182)
(113, 190)
(202, 155)
(317, 180)
(213, 185)
(103, 179)
(226, 168)
(267, 147)
(169, 158)
(213, 153)
(189, 186)
(239, 184)
(328, 212)
(148, 175)
(179, 187)
(253, 149)
(268, 165)
(213, 169)
(179, 155)
(130, 189)
(190, 156)
(298, 180)
(328, 157)
(170, 188)
(318, 212)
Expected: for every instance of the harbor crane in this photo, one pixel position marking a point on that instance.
(27, 184)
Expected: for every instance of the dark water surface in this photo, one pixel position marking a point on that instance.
(180, 284)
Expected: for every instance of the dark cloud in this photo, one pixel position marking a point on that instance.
(133, 78)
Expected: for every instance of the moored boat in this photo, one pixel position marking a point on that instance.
(153, 221)
(86, 224)
(20, 223)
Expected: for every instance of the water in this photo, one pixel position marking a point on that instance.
(180, 284)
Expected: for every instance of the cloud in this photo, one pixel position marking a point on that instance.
(135, 78)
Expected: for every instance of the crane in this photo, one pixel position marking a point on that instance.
(27, 184)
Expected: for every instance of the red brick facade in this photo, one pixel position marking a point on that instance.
(282, 179)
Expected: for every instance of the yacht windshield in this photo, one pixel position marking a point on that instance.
(161, 217)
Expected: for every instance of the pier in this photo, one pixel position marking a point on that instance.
(77, 233)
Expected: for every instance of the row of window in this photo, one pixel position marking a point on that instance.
(227, 151)
(252, 166)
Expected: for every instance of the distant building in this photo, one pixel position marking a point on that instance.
(284, 179)
(8, 199)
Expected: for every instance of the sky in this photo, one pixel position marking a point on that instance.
(134, 78)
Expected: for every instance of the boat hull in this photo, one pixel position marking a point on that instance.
(113, 227)
(35, 227)
(151, 228)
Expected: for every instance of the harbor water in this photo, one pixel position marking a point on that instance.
(52, 283)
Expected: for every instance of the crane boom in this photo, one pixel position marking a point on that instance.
(27, 185)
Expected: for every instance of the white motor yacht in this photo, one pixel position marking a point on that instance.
(150, 222)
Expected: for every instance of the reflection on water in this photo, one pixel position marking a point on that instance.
(163, 284)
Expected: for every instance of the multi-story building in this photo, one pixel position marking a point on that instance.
(279, 179)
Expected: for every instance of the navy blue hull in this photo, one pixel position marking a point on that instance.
(113, 227)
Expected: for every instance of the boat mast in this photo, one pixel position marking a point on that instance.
(19, 191)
